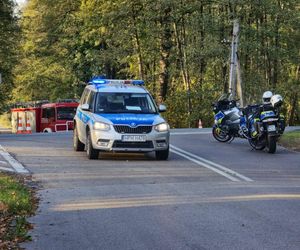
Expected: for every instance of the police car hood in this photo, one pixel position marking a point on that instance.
(131, 119)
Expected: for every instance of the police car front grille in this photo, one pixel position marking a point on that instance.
(121, 144)
(124, 129)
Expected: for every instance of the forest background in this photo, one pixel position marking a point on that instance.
(180, 48)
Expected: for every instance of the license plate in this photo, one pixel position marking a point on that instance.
(271, 128)
(133, 138)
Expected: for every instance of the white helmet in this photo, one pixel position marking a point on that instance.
(276, 100)
(266, 98)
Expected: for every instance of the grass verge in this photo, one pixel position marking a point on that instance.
(291, 140)
(17, 202)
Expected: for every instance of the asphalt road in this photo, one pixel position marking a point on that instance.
(208, 195)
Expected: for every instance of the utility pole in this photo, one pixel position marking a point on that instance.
(235, 80)
(239, 88)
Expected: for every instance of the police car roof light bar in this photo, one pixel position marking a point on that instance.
(97, 81)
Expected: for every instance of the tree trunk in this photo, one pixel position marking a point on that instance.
(180, 55)
(294, 101)
(137, 44)
(275, 61)
(165, 49)
(201, 46)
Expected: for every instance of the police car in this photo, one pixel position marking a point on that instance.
(119, 116)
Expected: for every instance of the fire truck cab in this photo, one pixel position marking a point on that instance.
(57, 116)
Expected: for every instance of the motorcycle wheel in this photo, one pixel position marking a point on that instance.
(220, 135)
(257, 144)
(271, 144)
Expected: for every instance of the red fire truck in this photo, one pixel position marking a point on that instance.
(43, 116)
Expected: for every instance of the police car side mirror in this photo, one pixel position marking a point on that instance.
(162, 108)
(85, 107)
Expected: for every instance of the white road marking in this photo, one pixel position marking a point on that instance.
(3, 162)
(17, 166)
(228, 173)
(206, 166)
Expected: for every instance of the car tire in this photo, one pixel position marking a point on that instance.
(77, 144)
(162, 155)
(91, 153)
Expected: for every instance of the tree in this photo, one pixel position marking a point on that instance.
(8, 44)
(44, 70)
(176, 46)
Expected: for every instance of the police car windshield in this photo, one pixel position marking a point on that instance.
(138, 103)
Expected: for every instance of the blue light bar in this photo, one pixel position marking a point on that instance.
(99, 81)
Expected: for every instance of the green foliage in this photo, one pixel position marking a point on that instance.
(175, 44)
(19, 231)
(16, 203)
(291, 140)
(8, 43)
(14, 196)
(44, 70)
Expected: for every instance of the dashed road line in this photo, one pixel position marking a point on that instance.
(17, 166)
(226, 172)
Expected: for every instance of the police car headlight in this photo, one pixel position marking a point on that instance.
(162, 127)
(101, 126)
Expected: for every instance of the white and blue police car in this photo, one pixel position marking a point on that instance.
(119, 116)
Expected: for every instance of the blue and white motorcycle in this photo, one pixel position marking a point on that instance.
(227, 119)
(262, 124)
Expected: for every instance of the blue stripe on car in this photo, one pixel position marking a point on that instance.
(130, 119)
(83, 117)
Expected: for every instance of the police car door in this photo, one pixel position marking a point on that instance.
(82, 116)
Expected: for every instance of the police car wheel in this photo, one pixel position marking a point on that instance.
(90, 151)
(77, 144)
(162, 155)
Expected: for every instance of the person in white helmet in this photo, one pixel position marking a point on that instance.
(266, 105)
(266, 98)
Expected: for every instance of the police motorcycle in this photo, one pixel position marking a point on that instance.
(227, 119)
(262, 124)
